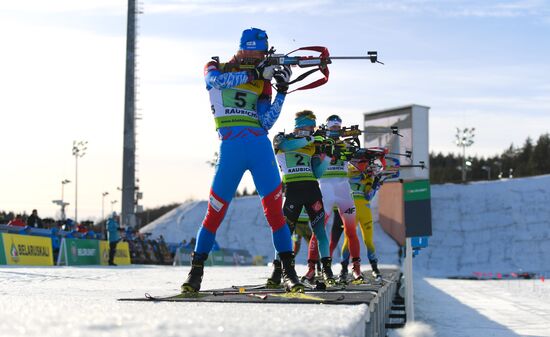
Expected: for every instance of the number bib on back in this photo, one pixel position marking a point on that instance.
(236, 106)
(358, 184)
(296, 166)
(338, 170)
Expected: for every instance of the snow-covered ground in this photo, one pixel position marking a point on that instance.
(81, 301)
(461, 308)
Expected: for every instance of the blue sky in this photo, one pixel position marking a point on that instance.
(480, 64)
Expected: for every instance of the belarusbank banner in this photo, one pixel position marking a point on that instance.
(122, 254)
(75, 252)
(27, 250)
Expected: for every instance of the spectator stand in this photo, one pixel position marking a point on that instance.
(144, 250)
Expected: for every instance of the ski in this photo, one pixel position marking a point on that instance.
(236, 296)
(248, 287)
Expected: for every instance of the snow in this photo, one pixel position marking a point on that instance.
(413, 329)
(490, 227)
(81, 301)
(464, 308)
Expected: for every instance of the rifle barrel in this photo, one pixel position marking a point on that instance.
(350, 57)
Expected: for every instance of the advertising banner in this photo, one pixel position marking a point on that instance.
(2, 254)
(222, 257)
(418, 209)
(78, 252)
(122, 255)
(27, 250)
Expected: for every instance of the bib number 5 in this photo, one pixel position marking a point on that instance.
(240, 99)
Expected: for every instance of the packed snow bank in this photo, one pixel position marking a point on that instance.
(498, 226)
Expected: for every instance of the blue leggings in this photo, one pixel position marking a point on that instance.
(253, 153)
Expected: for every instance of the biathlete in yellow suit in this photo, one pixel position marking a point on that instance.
(361, 185)
(364, 181)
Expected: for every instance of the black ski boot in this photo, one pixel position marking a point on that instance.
(194, 278)
(343, 277)
(310, 275)
(375, 271)
(327, 271)
(356, 270)
(275, 280)
(290, 278)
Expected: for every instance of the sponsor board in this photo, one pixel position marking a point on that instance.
(2, 254)
(222, 257)
(27, 250)
(122, 255)
(74, 252)
(416, 190)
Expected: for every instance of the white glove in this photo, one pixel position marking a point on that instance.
(282, 76)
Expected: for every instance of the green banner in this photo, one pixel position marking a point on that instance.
(2, 254)
(229, 257)
(76, 252)
(416, 190)
(222, 257)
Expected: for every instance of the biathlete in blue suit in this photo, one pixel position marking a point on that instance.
(241, 102)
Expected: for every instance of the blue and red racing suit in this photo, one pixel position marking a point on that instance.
(243, 113)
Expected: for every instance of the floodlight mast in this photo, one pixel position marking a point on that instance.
(128, 199)
(464, 139)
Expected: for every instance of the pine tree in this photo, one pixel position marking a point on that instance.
(541, 155)
(524, 161)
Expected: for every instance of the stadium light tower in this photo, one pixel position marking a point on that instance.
(464, 139)
(129, 188)
(79, 150)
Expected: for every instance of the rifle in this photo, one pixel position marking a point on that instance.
(320, 63)
(354, 131)
(372, 154)
(386, 167)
